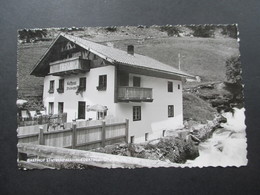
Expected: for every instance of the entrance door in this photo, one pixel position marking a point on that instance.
(81, 110)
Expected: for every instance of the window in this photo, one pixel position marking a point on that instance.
(136, 81)
(179, 86)
(132, 139)
(170, 86)
(61, 86)
(51, 108)
(170, 111)
(146, 137)
(60, 107)
(136, 113)
(163, 133)
(102, 83)
(51, 89)
(81, 110)
(82, 85)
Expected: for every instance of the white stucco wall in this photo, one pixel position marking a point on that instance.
(154, 115)
(91, 96)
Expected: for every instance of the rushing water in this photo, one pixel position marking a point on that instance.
(227, 146)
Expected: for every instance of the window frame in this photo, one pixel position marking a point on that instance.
(84, 81)
(136, 80)
(60, 103)
(137, 113)
(170, 111)
(61, 86)
(146, 136)
(102, 82)
(132, 139)
(170, 86)
(51, 108)
(51, 86)
(82, 103)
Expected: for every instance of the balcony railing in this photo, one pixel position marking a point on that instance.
(135, 94)
(69, 66)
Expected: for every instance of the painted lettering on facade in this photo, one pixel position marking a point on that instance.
(72, 85)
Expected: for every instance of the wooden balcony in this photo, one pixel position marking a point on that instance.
(69, 66)
(135, 94)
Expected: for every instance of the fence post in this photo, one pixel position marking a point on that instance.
(126, 130)
(103, 134)
(41, 136)
(74, 135)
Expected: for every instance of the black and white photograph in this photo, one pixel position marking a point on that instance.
(130, 97)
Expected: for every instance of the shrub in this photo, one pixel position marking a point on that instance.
(230, 30)
(171, 30)
(205, 31)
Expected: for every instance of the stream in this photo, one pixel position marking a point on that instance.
(227, 146)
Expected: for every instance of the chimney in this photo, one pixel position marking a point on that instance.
(130, 49)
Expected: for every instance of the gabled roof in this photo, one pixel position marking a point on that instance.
(117, 56)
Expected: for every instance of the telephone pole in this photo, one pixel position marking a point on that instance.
(179, 56)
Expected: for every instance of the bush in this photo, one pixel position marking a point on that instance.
(111, 29)
(171, 30)
(233, 70)
(230, 30)
(29, 35)
(205, 31)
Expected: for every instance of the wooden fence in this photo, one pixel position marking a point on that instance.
(80, 135)
(43, 119)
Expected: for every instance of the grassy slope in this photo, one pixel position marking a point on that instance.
(205, 57)
(197, 109)
(27, 56)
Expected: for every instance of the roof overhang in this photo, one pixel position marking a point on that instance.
(41, 66)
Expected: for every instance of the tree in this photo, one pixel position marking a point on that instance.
(234, 81)
(233, 70)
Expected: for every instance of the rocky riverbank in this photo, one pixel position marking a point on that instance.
(177, 146)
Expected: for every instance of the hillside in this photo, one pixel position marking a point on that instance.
(204, 57)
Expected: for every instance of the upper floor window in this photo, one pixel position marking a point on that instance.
(136, 81)
(51, 89)
(136, 113)
(179, 86)
(82, 85)
(102, 83)
(61, 86)
(170, 111)
(170, 86)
